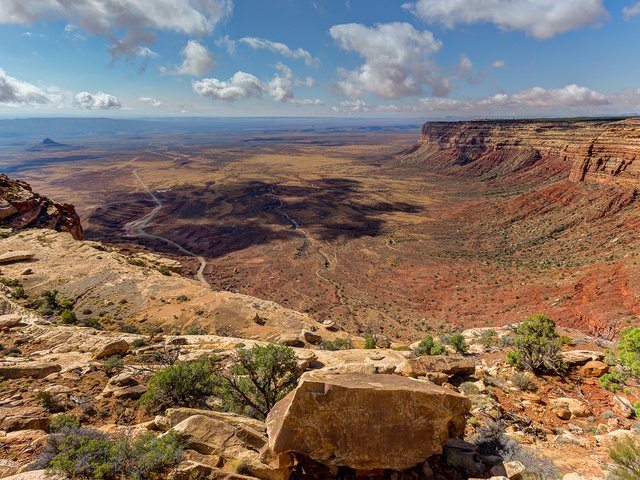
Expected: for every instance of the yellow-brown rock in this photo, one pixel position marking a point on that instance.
(365, 422)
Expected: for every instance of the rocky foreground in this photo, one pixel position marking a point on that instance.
(379, 412)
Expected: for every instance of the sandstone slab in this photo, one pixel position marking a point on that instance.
(9, 320)
(16, 256)
(119, 347)
(365, 422)
(28, 369)
(447, 364)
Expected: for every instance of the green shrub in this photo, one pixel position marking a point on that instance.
(49, 402)
(9, 282)
(112, 365)
(138, 343)
(429, 347)
(469, 388)
(369, 342)
(626, 360)
(258, 378)
(135, 262)
(566, 340)
(19, 293)
(488, 338)
(68, 317)
(164, 270)
(626, 457)
(614, 381)
(523, 382)
(337, 344)
(81, 453)
(194, 330)
(537, 346)
(186, 384)
(58, 422)
(90, 322)
(458, 343)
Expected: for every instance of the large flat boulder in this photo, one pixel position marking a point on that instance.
(28, 369)
(16, 256)
(365, 422)
(447, 364)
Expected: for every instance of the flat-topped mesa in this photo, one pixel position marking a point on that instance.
(590, 150)
(21, 208)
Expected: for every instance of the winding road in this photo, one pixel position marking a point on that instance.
(140, 224)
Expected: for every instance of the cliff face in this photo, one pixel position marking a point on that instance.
(21, 208)
(604, 151)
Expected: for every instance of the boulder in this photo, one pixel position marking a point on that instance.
(311, 337)
(16, 256)
(580, 357)
(17, 423)
(176, 415)
(447, 364)
(290, 339)
(34, 475)
(364, 422)
(230, 438)
(567, 408)
(9, 320)
(118, 347)
(28, 369)
(624, 406)
(511, 470)
(594, 368)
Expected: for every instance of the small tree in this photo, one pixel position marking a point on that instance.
(458, 343)
(537, 346)
(429, 347)
(186, 384)
(626, 360)
(68, 317)
(258, 377)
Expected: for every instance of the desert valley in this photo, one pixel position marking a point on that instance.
(319, 240)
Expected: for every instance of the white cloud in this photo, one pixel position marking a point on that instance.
(96, 101)
(537, 100)
(154, 102)
(282, 49)
(16, 93)
(127, 23)
(227, 43)
(307, 101)
(244, 85)
(197, 61)
(240, 85)
(397, 60)
(631, 11)
(539, 18)
(499, 64)
(146, 52)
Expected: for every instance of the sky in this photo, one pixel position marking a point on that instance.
(378, 58)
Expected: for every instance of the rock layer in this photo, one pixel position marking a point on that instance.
(596, 150)
(21, 208)
(364, 421)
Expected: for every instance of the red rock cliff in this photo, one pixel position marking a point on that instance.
(21, 208)
(597, 150)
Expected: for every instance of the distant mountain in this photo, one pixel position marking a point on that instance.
(49, 144)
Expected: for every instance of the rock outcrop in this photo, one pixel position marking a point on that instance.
(21, 208)
(365, 422)
(594, 150)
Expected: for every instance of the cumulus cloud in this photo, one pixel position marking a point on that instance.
(536, 100)
(240, 85)
(307, 101)
(197, 61)
(396, 60)
(127, 23)
(631, 11)
(15, 93)
(282, 49)
(146, 52)
(539, 18)
(96, 101)
(227, 43)
(244, 85)
(154, 102)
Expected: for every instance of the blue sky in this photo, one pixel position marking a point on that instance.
(420, 58)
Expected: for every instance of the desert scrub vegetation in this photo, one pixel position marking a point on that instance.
(523, 382)
(428, 346)
(82, 453)
(488, 338)
(625, 361)
(251, 382)
(537, 346)
(369, 342)
(625, 455)
(458, 343)
(337, 344)
(491, 440)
